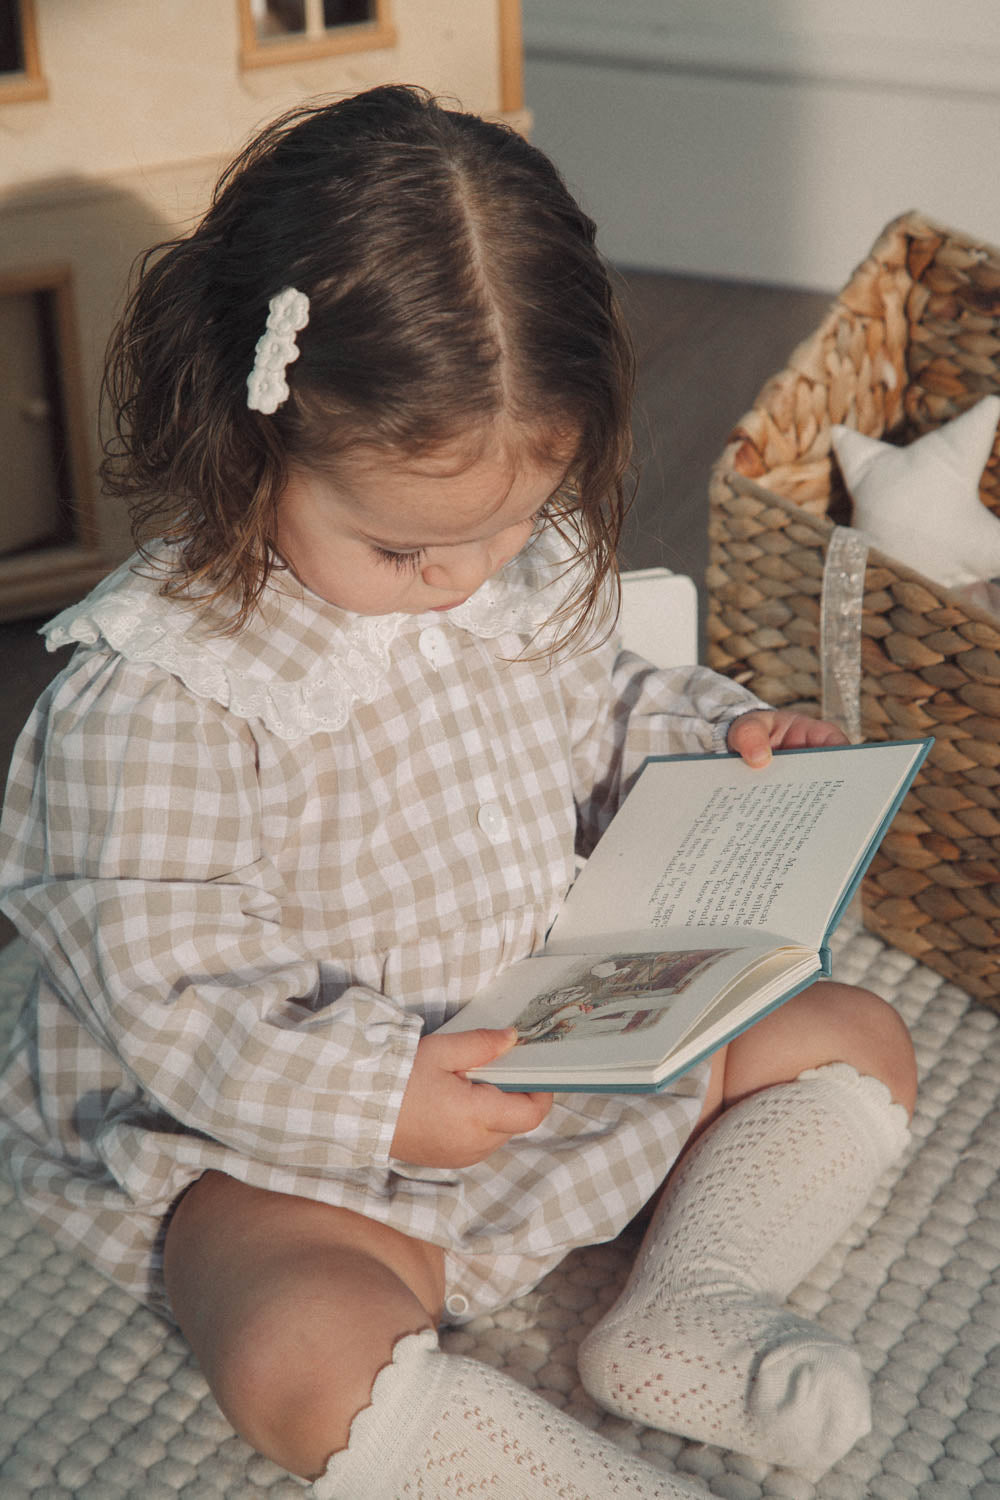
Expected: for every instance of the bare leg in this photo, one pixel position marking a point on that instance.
(292, 1308)
(828, 1022)
(315, 1331)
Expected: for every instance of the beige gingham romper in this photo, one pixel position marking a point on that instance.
(255, 869)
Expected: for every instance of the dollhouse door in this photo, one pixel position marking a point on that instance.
(29, 479)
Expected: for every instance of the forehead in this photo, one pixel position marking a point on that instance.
(448, 492)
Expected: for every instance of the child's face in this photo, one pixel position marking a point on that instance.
(391, 533)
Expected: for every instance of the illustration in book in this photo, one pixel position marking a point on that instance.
(709, 900)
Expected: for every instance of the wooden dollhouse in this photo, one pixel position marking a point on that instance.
(116, 117)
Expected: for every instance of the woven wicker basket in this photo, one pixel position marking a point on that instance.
(911, 341)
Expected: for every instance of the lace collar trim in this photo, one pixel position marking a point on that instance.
(302, 664)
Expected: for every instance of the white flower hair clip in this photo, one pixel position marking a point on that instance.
(267, 388)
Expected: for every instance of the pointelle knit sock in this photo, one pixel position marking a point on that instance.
(441, 1427)
(700, 1343)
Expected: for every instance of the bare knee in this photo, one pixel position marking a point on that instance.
(829, 1022)
(288, 1398)
(289, 1322)
(292, 1377)
(873, 1037)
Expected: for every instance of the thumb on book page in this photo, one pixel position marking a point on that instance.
(473, 1049)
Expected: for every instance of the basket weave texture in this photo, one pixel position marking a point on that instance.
(911, 341)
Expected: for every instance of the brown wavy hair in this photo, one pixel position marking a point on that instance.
(453, 283)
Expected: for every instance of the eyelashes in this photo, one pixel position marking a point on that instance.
(403, 562)
(409, 562)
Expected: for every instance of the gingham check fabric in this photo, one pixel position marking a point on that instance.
(244, 922)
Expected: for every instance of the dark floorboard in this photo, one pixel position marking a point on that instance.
(704, 349)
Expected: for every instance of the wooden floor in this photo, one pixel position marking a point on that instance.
(705, 348)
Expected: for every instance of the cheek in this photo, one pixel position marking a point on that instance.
(326, 567)
(518, 540)
(368, 587)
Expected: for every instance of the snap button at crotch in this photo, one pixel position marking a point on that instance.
(492, 821)
(433, 645)
(456, 1304)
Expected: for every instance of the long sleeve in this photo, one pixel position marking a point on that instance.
(622, 710)
(135, 859)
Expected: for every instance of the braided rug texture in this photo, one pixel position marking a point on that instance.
(99, 1400)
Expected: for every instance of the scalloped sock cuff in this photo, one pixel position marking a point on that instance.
(440, 1425)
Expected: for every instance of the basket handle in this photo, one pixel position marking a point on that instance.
(840, 629)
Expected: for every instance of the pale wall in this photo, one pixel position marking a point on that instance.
(768, 139)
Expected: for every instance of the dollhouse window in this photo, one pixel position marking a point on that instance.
(279, 31)
(20, 71)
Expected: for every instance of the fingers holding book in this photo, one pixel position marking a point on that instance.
(446, 1120)
(753, 736)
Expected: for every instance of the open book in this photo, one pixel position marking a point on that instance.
(709, 900)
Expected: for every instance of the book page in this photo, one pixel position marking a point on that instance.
(613, 1009)
(706, 843)
(711, 883)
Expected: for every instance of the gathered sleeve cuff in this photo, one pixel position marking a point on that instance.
(624, 710)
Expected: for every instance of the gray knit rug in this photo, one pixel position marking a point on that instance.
(100, 1401)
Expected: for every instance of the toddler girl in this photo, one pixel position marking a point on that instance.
(320, 766)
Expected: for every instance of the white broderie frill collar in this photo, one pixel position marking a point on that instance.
(312, 689)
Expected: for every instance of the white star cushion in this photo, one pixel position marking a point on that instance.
(920, 504)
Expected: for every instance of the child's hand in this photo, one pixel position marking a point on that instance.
(753, 736)
(447, 1121)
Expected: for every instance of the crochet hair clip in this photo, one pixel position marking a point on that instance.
(267, 388)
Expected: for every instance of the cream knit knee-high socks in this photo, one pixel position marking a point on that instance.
(700, 1343)
(440, 1426)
